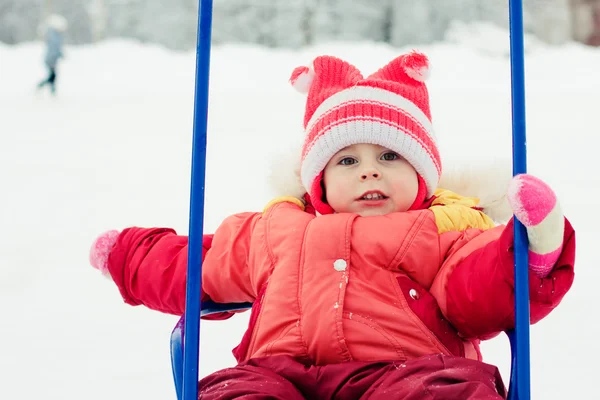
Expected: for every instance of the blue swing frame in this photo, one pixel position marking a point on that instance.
(185, 348)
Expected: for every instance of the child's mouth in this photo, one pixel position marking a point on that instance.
(373, 196)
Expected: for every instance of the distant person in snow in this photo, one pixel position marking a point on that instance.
(367, 279)
(53, 31)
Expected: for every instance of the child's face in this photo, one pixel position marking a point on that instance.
(367, 179)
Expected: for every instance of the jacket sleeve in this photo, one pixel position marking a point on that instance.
(475, 286)
(234, 269)
(149, 266)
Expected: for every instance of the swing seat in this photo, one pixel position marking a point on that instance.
(207, 308)
(210, 307)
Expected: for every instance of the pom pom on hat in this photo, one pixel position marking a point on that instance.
(416, 66)
(302, 78)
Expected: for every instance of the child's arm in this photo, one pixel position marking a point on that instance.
(475, 287)
(149, 265)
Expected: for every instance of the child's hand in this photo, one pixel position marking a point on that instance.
(535, 206)
(101, 249)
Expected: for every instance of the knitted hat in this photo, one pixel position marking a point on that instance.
(389, 108)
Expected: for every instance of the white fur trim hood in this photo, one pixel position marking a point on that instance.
(284, 176)
(487, 182)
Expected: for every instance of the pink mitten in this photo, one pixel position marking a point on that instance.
(536, 206)
(101, 249)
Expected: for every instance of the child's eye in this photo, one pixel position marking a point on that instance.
(390, 156)
(347, 161)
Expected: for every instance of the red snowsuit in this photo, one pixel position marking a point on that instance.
(337, 296)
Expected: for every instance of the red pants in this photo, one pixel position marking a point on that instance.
(282, 377)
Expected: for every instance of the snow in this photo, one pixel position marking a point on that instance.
(113, 150)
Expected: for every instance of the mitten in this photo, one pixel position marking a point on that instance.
(101, 249)
(535, 205)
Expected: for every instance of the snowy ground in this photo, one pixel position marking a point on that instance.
(113, 150)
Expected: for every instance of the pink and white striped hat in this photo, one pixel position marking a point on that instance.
(389, 108)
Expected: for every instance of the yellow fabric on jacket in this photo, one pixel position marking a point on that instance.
(282, 199)
(458, 213)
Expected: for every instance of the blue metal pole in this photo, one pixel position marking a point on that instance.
(520, 376)
(191, 336)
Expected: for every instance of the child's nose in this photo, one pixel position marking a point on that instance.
(370, 173)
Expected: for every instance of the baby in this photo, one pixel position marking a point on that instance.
(376, 283)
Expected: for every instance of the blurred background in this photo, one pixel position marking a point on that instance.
(293, 23)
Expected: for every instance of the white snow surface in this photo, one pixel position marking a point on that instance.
(113, 149)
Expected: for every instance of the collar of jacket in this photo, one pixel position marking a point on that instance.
(452, 211)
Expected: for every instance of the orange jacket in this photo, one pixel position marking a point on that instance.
(341, 287)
